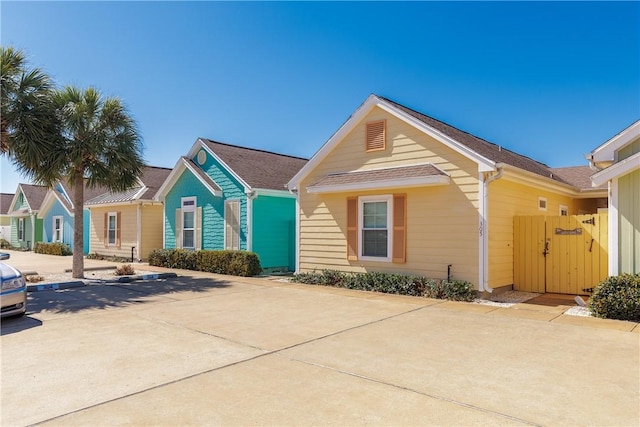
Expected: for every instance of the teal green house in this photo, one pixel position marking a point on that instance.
(26, 227)
(221, 196)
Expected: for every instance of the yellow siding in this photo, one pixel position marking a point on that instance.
(507, 199)
(150, 230)
(442, 221)
(152, 225)
(5, 220)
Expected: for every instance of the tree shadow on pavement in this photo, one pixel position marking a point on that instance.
(113, 295)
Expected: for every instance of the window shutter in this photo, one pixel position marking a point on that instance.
(178, 228)
(106, 229)
(118, 220)
(352, 228)
(198, 236)
(232, 225)
(376, 135)
(399, 228)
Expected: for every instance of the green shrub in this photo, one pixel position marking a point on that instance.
(52, 249)
(113, 258)
(391, 283)
(4, 244)
(618, 297)
(237, 263)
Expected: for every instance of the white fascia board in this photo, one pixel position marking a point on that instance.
(48, 201)
(529, 178)
(140, 192)
(12, 206)
(274, 193)
(606, 152)
(247, 187)
(392, 183)
(616, 170)
(328, 146)
(176, 172)
(484, 164)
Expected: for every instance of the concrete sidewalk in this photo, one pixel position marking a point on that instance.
(217, 350)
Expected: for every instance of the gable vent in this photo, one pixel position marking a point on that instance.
(376, 135)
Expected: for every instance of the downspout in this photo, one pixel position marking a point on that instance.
(484, 283)
(250, 196)
(297, 227)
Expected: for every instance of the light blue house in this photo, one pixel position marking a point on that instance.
(221, 196)
(56, 214)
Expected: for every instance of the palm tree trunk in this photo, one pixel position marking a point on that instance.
(78, 222)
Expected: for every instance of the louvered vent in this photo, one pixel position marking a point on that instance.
(376, 135)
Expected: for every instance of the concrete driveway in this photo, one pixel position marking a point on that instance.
(216, 350)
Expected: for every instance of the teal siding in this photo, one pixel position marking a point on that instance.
(231, 190)
(86, 224)
(274, 221)
(188, 185)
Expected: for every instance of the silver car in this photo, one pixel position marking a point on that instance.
(14, 290)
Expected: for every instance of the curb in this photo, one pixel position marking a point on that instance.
(80, 283)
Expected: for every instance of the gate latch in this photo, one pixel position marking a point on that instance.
(546, 249)
(591, 221)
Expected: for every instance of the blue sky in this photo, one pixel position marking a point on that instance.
(548, 80)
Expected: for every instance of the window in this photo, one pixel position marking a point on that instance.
(112, 229)
(21, 229)
(564, 210)
(376, 136)
(232, 225)
(189, 222)
(542, 204)
(57, 229)
(375, 230)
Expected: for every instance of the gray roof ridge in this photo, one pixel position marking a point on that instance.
(252, 149)
(501, 147)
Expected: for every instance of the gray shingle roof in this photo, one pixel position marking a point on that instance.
(378, 175)
(578, 176)
(5, 202)
(34, 194)
(491, 151)
(258, 168)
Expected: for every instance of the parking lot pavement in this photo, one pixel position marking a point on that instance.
(210, 350)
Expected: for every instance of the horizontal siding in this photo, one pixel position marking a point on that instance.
(128, 231)
(629, 223)
(151, 229)
(442, 221)
(508, 199)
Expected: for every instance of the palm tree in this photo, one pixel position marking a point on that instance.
(102, 147)
(29, 128)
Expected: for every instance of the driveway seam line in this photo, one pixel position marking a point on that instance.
(433, 396)
(267, 353)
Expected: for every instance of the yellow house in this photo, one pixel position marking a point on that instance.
(394, 190)
(128, 224)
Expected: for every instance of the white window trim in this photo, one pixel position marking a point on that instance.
(546, 205)
(369, 199)
(563, 208)
(189, 208)
(115, 230)
(53, 237)
(20, 229)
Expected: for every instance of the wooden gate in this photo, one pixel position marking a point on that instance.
(559, 254)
